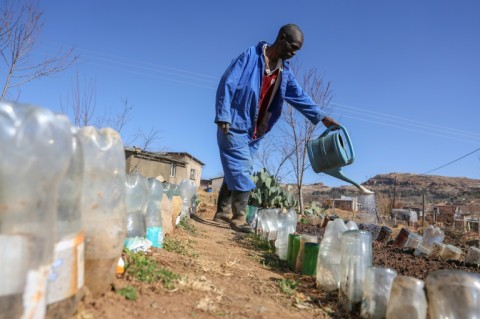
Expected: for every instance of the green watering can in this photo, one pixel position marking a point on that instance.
(327, 154)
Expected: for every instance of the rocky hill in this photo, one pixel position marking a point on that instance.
(408, 188)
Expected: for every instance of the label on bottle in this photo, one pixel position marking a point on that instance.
(14, 256)
(155, 236)
(66, 275)
(34, 297)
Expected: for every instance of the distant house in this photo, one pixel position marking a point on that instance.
(213, 184)
(193, 165)
(344, 203)
(172, 167)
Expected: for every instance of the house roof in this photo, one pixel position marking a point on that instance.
(154, 156)
(186, 154)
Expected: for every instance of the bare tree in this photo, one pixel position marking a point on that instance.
(81, 106)
(298, 130)
(20, 26)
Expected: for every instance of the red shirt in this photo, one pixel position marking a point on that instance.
(268, 84)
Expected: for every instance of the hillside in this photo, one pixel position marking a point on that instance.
(409, 189)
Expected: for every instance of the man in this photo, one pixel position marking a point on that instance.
(249, 102)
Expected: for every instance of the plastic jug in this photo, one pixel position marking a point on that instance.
(104, 205)
(328, 154)
(66, 277)
(376, 292)
(281, 242)
(36, 147)
(407, 299)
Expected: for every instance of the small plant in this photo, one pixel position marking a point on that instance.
(180, 247)
(288, 286)
(188, 227)
(145, 269)
(129, 293)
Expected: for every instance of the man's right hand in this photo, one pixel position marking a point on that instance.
(224, 126)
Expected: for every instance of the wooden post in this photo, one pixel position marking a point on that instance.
(394, 191)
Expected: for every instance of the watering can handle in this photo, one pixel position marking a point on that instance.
(331, 127)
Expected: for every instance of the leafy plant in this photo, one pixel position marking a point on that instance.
(129, 293)
(145, 269)
(287, 286)
(314, 209)
(188, 227)
(180, 247)
(268, 193)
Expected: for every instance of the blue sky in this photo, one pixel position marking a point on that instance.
(405, 74)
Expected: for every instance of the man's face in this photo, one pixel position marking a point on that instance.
(290, 45)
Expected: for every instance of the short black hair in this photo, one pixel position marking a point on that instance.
(291, 31)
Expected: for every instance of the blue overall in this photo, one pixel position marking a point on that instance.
(237, 103)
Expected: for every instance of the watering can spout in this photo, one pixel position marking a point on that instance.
(337, 172)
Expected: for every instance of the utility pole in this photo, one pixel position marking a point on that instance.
(394, 191)
(423, 210)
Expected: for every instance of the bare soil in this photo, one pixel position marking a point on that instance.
(224, 275)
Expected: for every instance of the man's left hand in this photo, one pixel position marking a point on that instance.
(328, 121)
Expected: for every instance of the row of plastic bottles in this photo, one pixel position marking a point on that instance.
(345, 264)
(144, 206)
(275, 224)
(63, 210)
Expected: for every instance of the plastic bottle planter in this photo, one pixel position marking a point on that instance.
(473, 256)
(376, 292)
(304, 238)
(451, 253)
(271, 215)
(437, 250)
(351, 225)
(310, 256)
(421, 250)
(154, 213)
(453, 294)
(413, 241)
(401, 238)
(36, 150)
(407, 299)
(431, 235)
(252, 216)
(66, 277)
(104, 205)
(356, 258)
(292, 262)
(281, 243)
(136, 194)
(384, 234)
(329, 256)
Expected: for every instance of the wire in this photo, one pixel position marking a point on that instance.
(456, 160)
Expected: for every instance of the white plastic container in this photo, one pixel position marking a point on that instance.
(281, 243)
(451, 252)
(36, 148)
(66, 278)
(473, 256)
(104, 205)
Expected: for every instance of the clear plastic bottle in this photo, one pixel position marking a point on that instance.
(473, 256)
(137, 192)
(104, 205)
(376, 292)
(272, 222)
(281, 243)
(453, 294)
(329, 256)
(407, 299)
(356, 258)
(154, 213)
(36, 149)
(187, 190)
(66, 278)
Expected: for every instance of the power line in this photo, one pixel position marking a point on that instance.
(456, 160)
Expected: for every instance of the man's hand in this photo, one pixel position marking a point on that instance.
(328, 121)
(224, 126)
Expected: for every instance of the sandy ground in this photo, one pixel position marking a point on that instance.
(224, 275)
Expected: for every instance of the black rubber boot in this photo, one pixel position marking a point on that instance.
(224, 212)
(239, 209)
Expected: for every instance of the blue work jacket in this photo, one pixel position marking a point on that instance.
(237, 102)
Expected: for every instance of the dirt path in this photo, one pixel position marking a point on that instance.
(222, 274)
